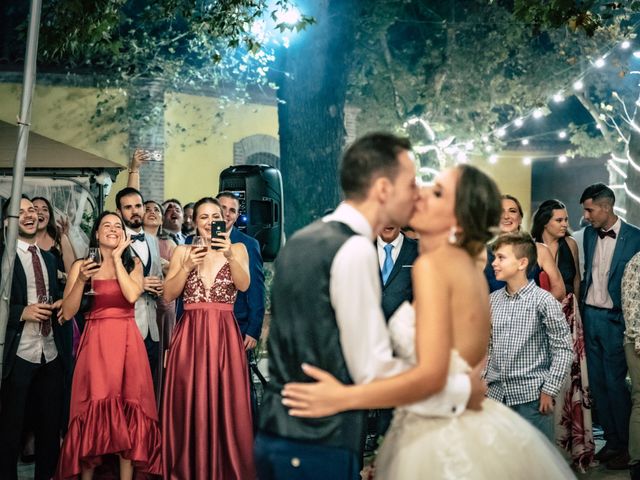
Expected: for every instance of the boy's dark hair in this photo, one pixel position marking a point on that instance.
(368, 158)
(5, 205)
(125, 192)
(523, 246)
(598, 192)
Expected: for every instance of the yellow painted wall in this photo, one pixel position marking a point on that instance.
(512, 177)
(192, 164)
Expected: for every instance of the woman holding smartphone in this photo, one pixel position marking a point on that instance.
(206, 410)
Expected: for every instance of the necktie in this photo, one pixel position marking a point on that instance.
(41, 289)
(387, 266)
(137, 238)
(608, 233)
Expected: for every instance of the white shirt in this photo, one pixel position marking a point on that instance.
(395, 251)
(356, 297)
(32, 344)
(141, 248)
(598, 294)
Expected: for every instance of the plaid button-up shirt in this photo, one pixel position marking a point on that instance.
(530, 349)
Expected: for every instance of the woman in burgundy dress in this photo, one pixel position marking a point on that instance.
(206, 412)
(113, 410)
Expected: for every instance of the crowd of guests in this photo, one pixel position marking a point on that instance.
(133, 357)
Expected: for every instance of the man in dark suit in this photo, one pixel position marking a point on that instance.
(249, 306)
(36, 355)
(396, 254)
(395, 268)
(609, 244)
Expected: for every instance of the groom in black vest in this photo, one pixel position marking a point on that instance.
(326, 311)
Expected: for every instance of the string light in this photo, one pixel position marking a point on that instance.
(501, 132)
(578, 85)
(562, 134)
(518, 122)
(558, 98)
(525, 141)
(493, 159)
(538, 113)
(625, 45)
(526, 160)
(636, 54)
(562, 159)
(599, 63)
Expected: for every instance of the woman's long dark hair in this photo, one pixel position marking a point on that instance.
(51, 227)
(477, 208)
(127, 256)
(542, 217)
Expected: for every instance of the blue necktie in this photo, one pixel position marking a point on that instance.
(387, 266)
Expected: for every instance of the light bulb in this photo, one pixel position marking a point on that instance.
(599, 63)
(578, 85)
(538, 113)
(625, 44)
(558, 98)
(562, 134)
(562, 159)
(493, 159)
(518, 122)
(501, 133)
(526, 160)
(525, 141)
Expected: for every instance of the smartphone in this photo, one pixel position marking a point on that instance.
(216, 229)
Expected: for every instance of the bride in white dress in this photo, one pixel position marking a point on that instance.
(450, 332)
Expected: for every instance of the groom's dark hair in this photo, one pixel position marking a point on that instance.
(372, 156)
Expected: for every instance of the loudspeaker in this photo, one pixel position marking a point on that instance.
(259, 190)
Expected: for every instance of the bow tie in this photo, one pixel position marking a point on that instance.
(137, 238)
(608, 233)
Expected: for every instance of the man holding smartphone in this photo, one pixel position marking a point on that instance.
(249, 306)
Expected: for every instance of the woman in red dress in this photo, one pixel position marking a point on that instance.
(113, 410)
(206, 412)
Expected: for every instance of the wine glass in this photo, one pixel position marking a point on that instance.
(47, 300)
(197, 243)
(93, 254)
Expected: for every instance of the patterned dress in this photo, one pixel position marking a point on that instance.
(207, 430)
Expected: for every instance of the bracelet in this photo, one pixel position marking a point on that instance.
(134, 171)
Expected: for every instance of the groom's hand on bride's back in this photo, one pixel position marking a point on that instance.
(478, 388)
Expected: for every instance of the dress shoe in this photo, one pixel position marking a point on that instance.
(620, 462)
(634, 471)
(605, 454)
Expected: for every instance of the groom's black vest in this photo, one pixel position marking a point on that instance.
(304, 329)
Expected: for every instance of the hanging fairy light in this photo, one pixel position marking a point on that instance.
(526, 160)
(558, 98)
(518, 122)
(562, 134)
(493, 159)
(599, 63)
(625, 45)
(562, 159)
(578, 85)
(538, 113)
(525, 141)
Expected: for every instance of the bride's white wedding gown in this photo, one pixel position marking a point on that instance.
(494, 443)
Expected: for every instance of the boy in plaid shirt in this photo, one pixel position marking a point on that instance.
(530, 349)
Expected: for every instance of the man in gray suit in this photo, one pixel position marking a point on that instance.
(130, 205)
(609, 244)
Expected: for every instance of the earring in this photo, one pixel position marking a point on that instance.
(453, 236)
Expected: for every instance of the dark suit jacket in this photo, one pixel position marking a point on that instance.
(249, 306)
(627, 245)
(63, 334)
(398, 287)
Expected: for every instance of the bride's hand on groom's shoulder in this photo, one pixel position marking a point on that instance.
(316, 399)
(478, 387)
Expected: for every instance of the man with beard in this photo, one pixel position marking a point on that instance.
(173, 219)
(36, 355)
(130, 205)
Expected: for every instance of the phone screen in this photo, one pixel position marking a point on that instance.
(216, 229)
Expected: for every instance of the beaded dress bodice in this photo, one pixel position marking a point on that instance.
(223, 289)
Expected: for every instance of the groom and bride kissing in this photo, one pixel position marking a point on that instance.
(328, 326)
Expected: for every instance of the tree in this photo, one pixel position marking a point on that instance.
(311, 112)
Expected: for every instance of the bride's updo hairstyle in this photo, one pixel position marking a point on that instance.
(478, 208)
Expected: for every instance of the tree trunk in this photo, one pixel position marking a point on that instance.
(633, 180)
(311, 111)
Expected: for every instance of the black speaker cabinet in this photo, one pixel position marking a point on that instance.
(259, 189)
